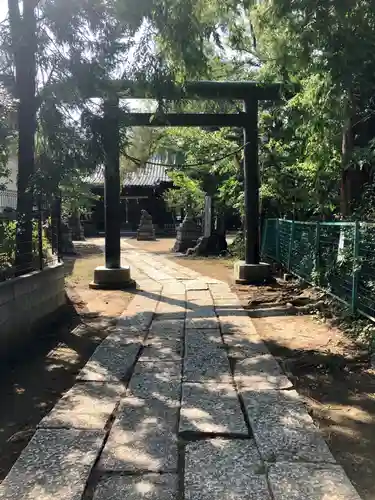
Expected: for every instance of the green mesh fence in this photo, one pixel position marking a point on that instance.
(339, 257)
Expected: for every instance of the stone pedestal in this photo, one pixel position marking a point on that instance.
(188, 234)
(112, 279)
(216, 244)
(146, 229)
(251, 274)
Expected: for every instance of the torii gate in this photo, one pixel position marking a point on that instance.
(112, 275)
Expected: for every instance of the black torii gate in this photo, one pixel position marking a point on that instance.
(250, 93)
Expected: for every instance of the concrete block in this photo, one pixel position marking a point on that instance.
(112, 279)
(259, 373)
(282, 428)
(205, 357)
(110, 363)
(294, 481)
(224, 469)
(55, 465)
(145, 487)
(211, 408)
(248, 274)
(143, 437)
(85, 406)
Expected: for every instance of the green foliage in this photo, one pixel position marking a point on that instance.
(8, 230)
(142, 144)
(220, 179)
(188, 196)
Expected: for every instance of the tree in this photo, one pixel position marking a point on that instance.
(7, 106)
(327, 49)
(142, 142)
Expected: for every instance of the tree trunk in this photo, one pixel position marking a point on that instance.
(24, 43)
(347, 145)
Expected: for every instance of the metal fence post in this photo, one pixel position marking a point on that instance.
(355, 266)
(291, 246)
(277, 240)
(317, 253)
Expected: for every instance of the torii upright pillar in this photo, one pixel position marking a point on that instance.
(251, 270)
(112, 275)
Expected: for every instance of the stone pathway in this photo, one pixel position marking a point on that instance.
(181, 401)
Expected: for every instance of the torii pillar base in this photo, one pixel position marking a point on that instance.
(106, 278)
(251, 274)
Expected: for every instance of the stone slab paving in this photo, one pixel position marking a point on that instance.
(310, 482)
(259, 373)
(55, 465)
(161, 327)
(211, 408)
(110, 363)
(182, 368)
(145, 487)
(202, 319)
(282, 428)
(143, 437)
(86, 406)
(205, 357)
(224, 469)
(157, 371)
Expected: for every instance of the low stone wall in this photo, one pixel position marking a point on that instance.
(27, 302)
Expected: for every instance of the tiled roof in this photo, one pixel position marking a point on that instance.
(97, 178)
(147, 176)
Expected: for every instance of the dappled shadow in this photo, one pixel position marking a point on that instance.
(34, 377)
(187, 378)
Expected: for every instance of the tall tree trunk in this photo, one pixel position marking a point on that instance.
(347, 145)
(24, 42)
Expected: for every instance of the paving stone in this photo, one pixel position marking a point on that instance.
(109, 363)
(160, 379)
(145, 487)
(162, 348)
(85, 406)
(196, 285)
(244, 346)
(205, 356)
(259, 373)
(166, 328)
(211, 408)
(55, 465)
(226, 302)
(143, 437)
(202, 317)
(174, 308)
(155, 384)
(310, 482)
(140, 311)
(202, 297)
(123, 335)
(173, 288)
(148, 285)
(282, 427)
(224, 469)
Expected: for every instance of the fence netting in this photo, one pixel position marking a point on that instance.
(339, 257)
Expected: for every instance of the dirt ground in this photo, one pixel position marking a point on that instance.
(79, 271)
(35, 379)
(327, 368)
